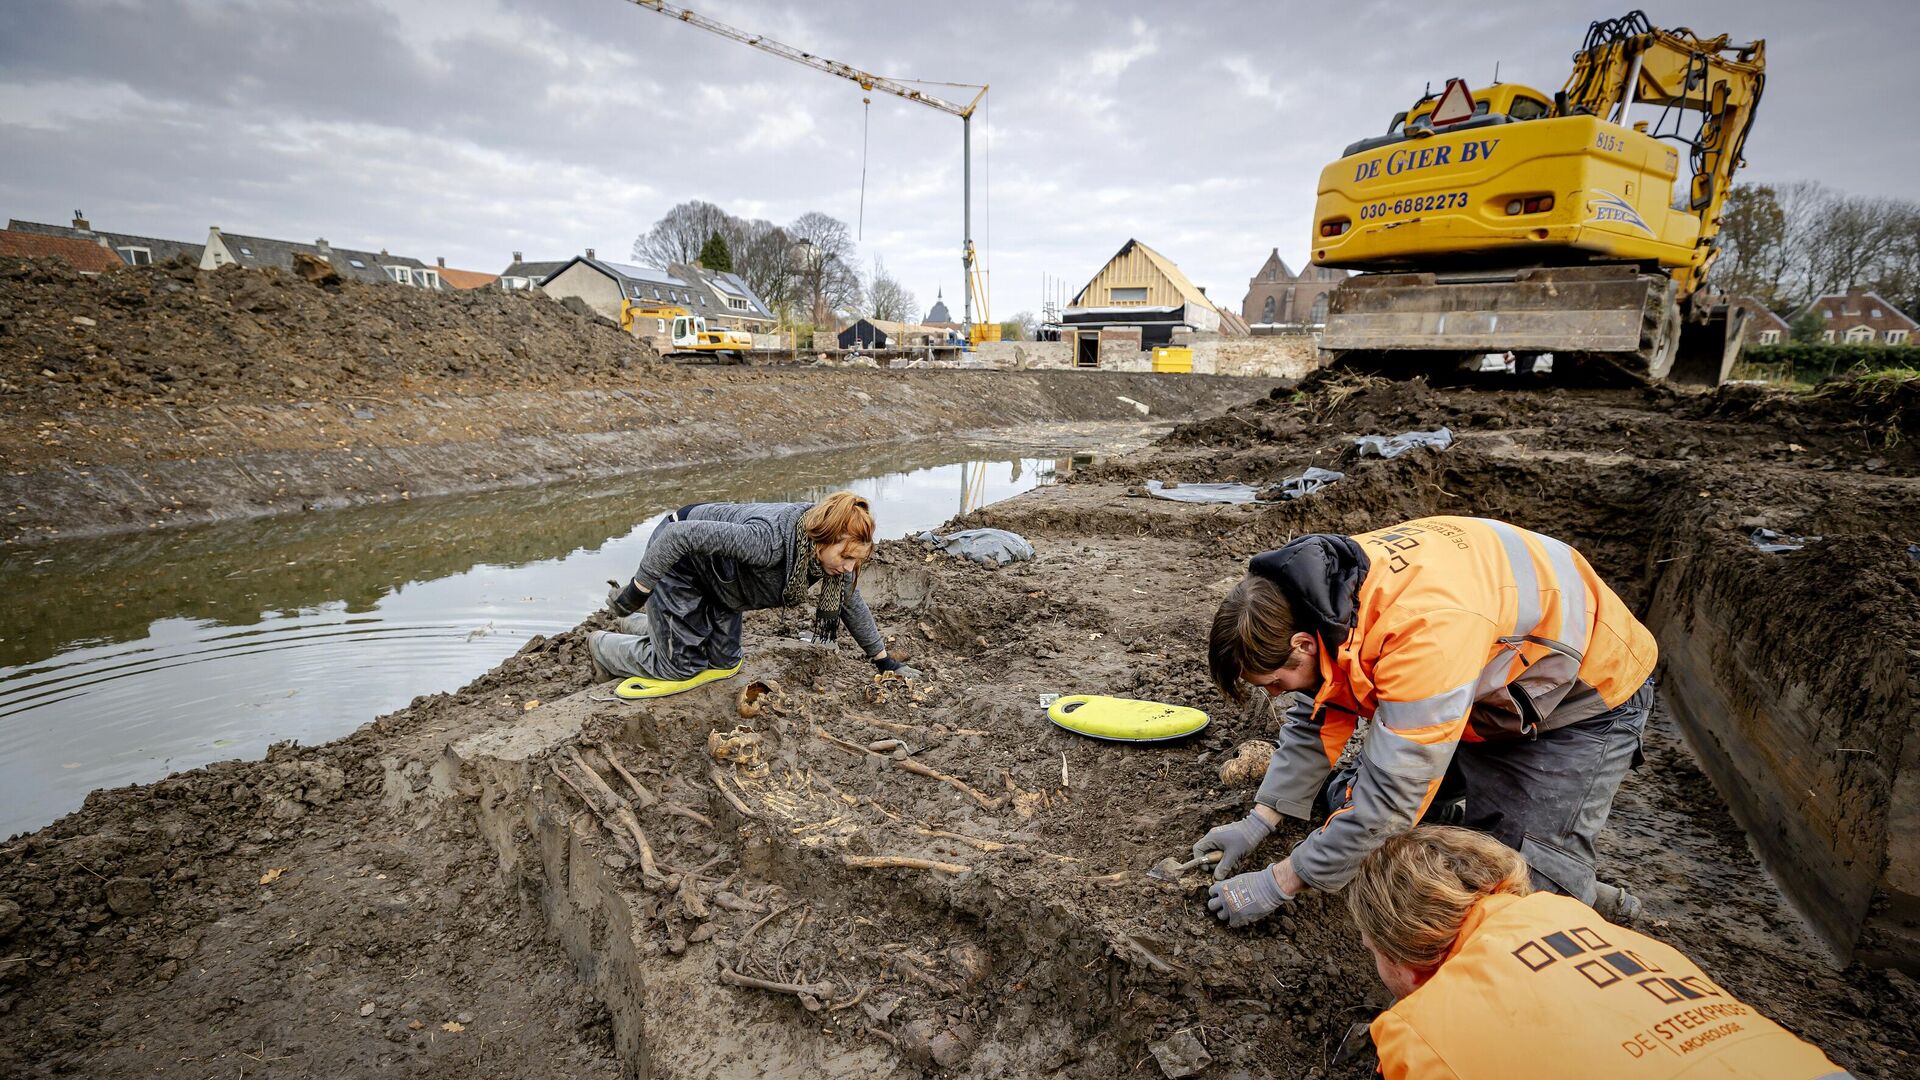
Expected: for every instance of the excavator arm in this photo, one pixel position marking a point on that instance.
(1627, 62)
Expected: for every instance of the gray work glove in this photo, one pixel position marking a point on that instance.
(1246, 898)
(1234, 841)
(888, 663)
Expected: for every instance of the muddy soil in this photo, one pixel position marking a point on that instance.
(980, 907)
(161, 396)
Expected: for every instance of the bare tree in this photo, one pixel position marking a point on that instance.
(889, 300)
(679, 235)
(825, 280)
(1754, 251)
(763, 257)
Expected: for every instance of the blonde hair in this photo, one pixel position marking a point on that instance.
(1413, 893)
(840, 516)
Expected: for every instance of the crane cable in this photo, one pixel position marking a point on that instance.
(866, 113)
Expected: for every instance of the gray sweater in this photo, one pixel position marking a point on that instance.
(744, 553)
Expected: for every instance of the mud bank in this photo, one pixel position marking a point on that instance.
(92, 469)
(808, 902)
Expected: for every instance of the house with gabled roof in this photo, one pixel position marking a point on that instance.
(1140, 297)
(521, 275)
(259, 252)
(723, 299)
(86, 256)
(1861, 316)
(133, 250)
(1276, 296)
(452, 278)
(1763, 325)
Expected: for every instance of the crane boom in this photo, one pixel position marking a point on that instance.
(868, 81)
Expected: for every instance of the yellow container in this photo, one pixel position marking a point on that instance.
(1173, 358)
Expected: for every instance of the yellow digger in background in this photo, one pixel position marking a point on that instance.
(676, 331)
(1509, 220)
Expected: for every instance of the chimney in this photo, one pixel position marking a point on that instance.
(80, 222)
(589, 253)
(442, 260)
(321, 243)
(517, 258)
(383, 254)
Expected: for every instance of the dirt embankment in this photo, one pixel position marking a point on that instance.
(168, 395)
(438, 894)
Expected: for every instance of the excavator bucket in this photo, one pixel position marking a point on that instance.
(1612, 312)
(1709, 346)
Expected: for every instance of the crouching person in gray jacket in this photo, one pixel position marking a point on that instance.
(708, 563)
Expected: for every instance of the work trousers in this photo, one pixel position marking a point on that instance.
(683, 634)
(1547, 797)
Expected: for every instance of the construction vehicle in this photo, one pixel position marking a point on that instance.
(1509, 220)
(675, 331)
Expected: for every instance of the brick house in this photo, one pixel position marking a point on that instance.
(86, 256)
(1860, 316)
(133, 250)
(1276, 296)
(1764, 327)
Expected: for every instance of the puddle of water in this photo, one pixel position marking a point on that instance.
(126, 658)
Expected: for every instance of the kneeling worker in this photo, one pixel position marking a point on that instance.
(1496, 980)
(707, 563)
(1486, 655)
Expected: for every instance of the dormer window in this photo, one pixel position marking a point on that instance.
(399, 274)
(137, 256)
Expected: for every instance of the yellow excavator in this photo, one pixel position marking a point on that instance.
(1509, 220)
(675, 331)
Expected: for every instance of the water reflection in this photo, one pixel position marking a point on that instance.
(129, 657)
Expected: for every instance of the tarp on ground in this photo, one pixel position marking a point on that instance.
(988, 547)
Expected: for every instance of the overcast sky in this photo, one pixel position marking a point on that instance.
(473, 128)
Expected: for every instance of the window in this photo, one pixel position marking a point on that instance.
(399, 274)
(1826, 336)
(1266, 311)
(1826, 313)
(1319, 313)
(1876, 313)
(137, 256)
(736, 303)
(1769, 337)
(357, 264)
(1896, 337)
(1130, 295)
(248, 252)
(660, 326)
(1859, 334)
(427, 279)
(1526, 108)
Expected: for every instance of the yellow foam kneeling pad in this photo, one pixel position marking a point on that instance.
(1125, 719)
(637, 688)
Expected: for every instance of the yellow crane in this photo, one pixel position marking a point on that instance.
(969, 267)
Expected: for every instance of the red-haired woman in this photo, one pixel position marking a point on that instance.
(708, 563)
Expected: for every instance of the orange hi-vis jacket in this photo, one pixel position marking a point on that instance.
(1440, 629)
(1543, 986)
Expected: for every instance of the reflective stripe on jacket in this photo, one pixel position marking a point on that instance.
(1440, 629)
(1542, 985)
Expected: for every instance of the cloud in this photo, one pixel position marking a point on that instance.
(471, 128)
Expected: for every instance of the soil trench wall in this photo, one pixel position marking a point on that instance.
(1813, 752)
(98, 472)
